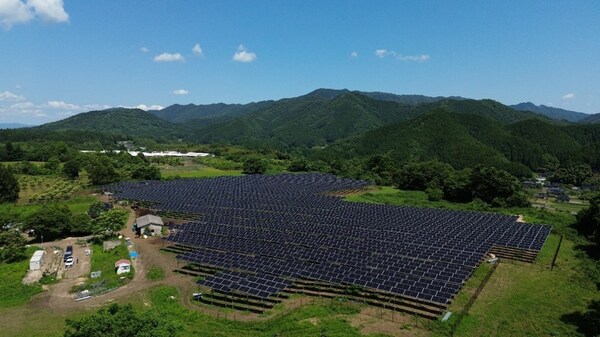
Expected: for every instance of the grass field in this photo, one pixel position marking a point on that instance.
(195, 171)
(79, 204)
(531, 300)
(311, 320)
(155, 273)
(12, 291)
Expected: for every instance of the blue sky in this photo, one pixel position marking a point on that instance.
(60, 58)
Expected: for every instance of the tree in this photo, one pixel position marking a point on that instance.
(82, 224)
(12, 245)
(51, 221)
(96, 209)
(110, 222)
(9, 186)
(456, 187)
(71, 168)
(588, 220)
(255, 165)
(383, 167)
(497, 187)
(419, 176)
(52, 164)
(297, 165)
(102, 171)
(121, 321)
(145, 172)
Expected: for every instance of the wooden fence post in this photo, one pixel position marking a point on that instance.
(556, 253)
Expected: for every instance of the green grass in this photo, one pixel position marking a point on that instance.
(155, 273)
(79, 204)
(105, 262)
(195, 171)
(12, 291)
(529, 300)
(329, 320)
(560, 220)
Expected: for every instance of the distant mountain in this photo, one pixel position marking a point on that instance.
(591, 119)
(326, 115)
(205, 115)
(551, 112)
(309, 120)
(12, 126)
(130, 122)
(182, 113)
(381, 96)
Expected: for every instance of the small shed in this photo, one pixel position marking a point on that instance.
(123, 266)
(37, 260)
(148, 224)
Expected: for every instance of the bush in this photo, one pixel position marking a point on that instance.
(434, 194)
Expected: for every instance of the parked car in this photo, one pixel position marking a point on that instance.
(69, 262)
(68, 252)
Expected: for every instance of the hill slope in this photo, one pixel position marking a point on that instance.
(591, 119)
(460, 139)
(309, 120)
(551, 112)
(182, 113)
(132, 122)
(325, 116)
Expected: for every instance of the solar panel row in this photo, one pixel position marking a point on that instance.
(286, 226)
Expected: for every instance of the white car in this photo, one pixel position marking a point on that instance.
(69, 262)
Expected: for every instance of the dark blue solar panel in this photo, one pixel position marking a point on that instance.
(285, 226)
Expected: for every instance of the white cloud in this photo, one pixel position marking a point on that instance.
(63, 105)
(22, 106)
(49, 10)
(168, 57)
(243, 55)
(181, 92)
(381, 53)
(197, 50)
(353, 54)
(9, 96)
(17, 109)
(19, 11)
(145, 107)
(414, 58)
(14, 11)
(568, 96)
(144, 50)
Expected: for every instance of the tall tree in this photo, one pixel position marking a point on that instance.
(588, 220)
(51, 221)
(102, 171)
(71, 168)
(255, 165)
(12, 245)
(9, 186)
(110, 222)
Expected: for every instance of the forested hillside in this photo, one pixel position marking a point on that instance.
(130, 122)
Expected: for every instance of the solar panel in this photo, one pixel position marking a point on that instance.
(281, 227)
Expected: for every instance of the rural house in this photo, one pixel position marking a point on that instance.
(148, 224)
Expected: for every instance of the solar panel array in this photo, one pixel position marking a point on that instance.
(284, 226)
